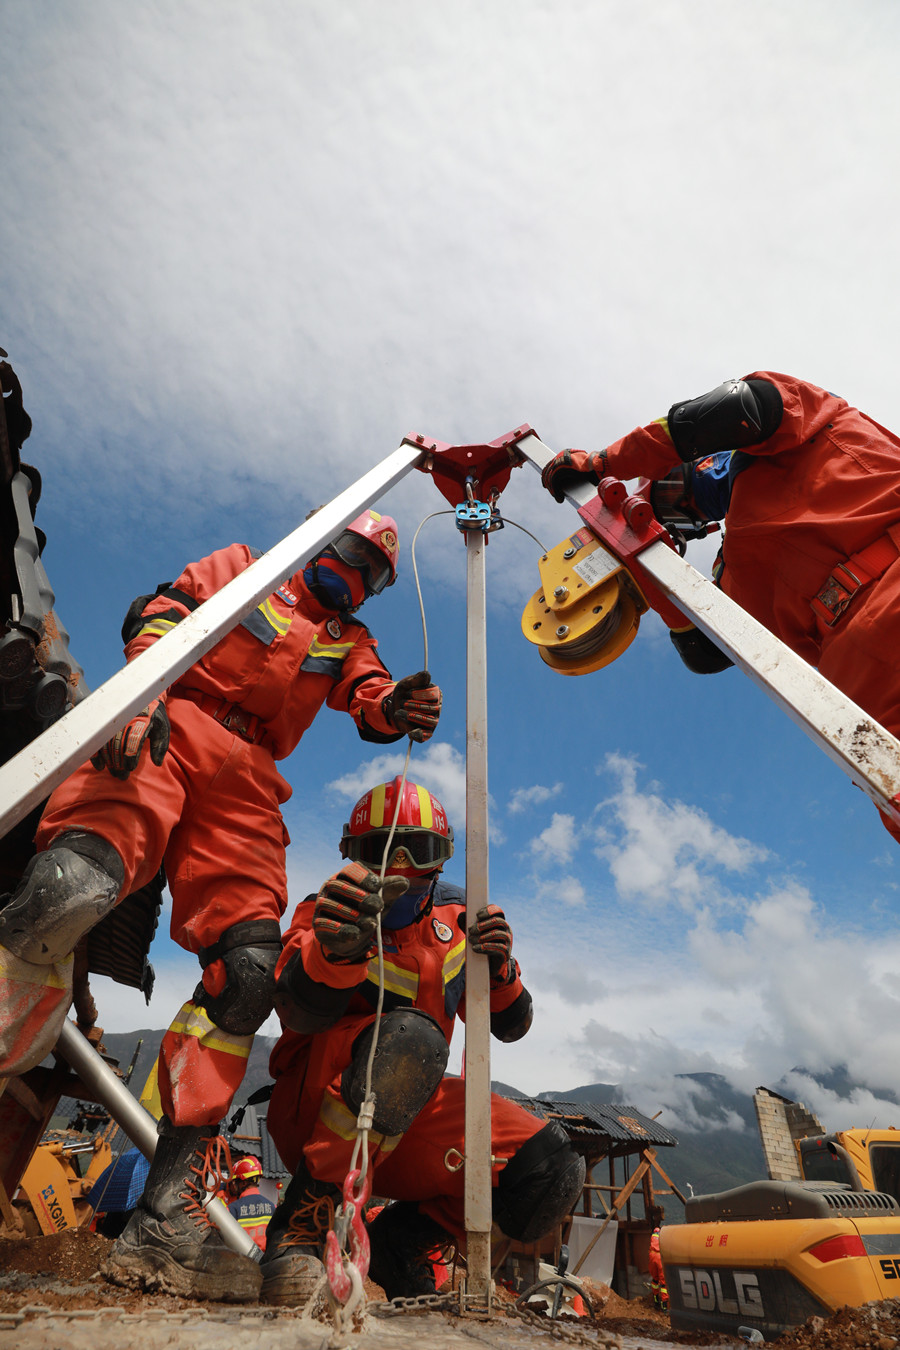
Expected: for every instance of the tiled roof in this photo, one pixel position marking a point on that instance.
(597, 1121)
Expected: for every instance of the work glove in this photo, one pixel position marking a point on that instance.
(569, 467)
(414, 706)
(122, 754)
(346, 912)
(491, 935)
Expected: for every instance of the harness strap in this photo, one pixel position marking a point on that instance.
(239, 722)
(849, 577)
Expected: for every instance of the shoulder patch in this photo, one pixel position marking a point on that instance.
(333, 628)
(443, 931)
(285, 593)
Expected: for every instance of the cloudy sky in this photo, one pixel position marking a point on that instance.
(246, 248)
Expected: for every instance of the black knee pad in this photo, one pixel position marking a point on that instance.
(249, 952)
(64, 892)
(409, 1064)
(539, 1185)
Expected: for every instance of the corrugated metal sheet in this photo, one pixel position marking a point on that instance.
(596, 1120)
(247, 1132)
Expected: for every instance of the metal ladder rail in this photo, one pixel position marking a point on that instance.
(29, 777)
(866, 752)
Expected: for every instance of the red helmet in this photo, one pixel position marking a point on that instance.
(423, 838)
(369, 543)
(245, 1169)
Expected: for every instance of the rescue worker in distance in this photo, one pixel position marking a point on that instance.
(326, 998)
(247, 1204)
(206, 800)
(809, 489)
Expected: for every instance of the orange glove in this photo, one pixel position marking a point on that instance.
(570, 467)
(414, 706)
(122, 754)
(491, 935)
(346, 912)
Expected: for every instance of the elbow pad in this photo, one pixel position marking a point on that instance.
(698, 652)
(513, 1022)
(735, 414)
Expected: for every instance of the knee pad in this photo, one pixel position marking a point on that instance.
(539, 1185)
(63, 893)
(409, 1064)
(249, 952)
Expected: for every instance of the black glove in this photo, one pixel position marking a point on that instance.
(572, 466)
(346, 912)
(491, 935)
(414, 706)
(122, 754)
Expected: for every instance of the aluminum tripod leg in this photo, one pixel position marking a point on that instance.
(478, 1217)
(137, 1123)
(859, 745)
(31, 775)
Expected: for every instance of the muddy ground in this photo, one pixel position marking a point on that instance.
(61, 1273)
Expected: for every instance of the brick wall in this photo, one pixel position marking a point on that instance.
(781, 1122)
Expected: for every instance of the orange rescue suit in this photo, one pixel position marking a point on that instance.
(211, 811)
(822, 487)
(424, 967)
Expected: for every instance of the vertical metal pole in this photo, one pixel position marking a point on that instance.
(478, 1216)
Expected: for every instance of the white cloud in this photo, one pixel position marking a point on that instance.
(557, 843)
(665, 849)
(523, 798)
(435, 765)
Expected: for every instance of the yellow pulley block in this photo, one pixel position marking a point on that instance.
(588, 608)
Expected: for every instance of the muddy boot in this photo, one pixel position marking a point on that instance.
(402, 1239)
(169, 1243)
(63, 893)
(295, 1240)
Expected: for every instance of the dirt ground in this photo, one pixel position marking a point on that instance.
(61, 1273)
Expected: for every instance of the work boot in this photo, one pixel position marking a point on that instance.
(295, 1240)
(402, 1238)
(169, 1243)
(63, 893)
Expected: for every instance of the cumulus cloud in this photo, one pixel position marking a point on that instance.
(523, 798)
(437, 765)
(558, 842)
(664, 850)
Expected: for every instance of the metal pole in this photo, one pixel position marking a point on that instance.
(137, 1123)
(478, 1216)
(867, 753)
(27, 778)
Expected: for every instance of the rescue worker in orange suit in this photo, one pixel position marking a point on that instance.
(247, 1204)
(327, 993)
(192, 781)
(658, 1289)
(809, 489)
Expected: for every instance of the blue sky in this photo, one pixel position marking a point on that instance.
(247, 248)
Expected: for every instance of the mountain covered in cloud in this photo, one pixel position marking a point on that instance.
(713, 1120)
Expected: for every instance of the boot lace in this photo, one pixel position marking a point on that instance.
(310, 1221)
(211, 1176)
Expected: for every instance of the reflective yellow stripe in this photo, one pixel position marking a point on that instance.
(397, 980)
(376, 810)
(193, 1021)
(336, 651)
(454, 962)
(336, 1116)
(425, 815)
(280, 622)
(23, 972)
(157, 626)
(664, 423)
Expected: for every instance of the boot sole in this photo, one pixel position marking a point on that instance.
(157, 1271)
(287, 1291)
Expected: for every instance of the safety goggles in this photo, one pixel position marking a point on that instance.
(358, 552)
(424, 851)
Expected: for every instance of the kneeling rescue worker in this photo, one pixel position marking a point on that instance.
(809, 489)
(206, 800)
(326, 995)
